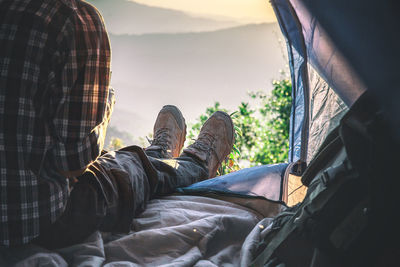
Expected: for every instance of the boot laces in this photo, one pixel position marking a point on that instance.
(206, 143)
(162, 138)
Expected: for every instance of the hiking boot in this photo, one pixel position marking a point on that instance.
(169, 132)
(214, 142)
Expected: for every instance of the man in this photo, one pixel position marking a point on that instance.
(55, 105)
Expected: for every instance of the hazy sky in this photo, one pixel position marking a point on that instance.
(249, 10)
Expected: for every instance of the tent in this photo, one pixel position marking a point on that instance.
(338, 50)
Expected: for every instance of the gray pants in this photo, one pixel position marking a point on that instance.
(115, 189)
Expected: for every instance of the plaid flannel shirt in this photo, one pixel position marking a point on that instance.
(55, 105)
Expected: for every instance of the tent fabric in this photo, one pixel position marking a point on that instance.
(366, 33)
(297, 55)
(262, 181)
(315, 66)
(326, 111)
(324, 56)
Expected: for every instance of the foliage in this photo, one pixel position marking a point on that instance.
(115, 144)
(262, 133)
(124, 138)
(231, 162)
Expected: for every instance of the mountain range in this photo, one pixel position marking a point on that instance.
(189, 69)
(129, 17)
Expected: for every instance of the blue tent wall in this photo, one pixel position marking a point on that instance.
(318, 70)
(297, 53)
(367, 33)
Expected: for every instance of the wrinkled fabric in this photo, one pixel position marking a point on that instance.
(173, 231)
(366, 32)
(117, 188)
(326, 110)
(317, 70)
(324, 56)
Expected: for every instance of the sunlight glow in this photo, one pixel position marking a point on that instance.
(248, 11)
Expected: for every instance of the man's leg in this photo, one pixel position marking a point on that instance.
(169, 135)
(199, 161)
(118, 185)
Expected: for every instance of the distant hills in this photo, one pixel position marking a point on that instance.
(129, 17)
(192, 70)
(189, 69)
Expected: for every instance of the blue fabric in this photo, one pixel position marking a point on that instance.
(262, 181)
(291, 29)
(367, 33)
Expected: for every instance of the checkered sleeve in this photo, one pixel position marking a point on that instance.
(83, 99)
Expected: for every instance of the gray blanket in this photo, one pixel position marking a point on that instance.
(173, 231)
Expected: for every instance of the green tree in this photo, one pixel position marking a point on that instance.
(261, 132)
(273, 145)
